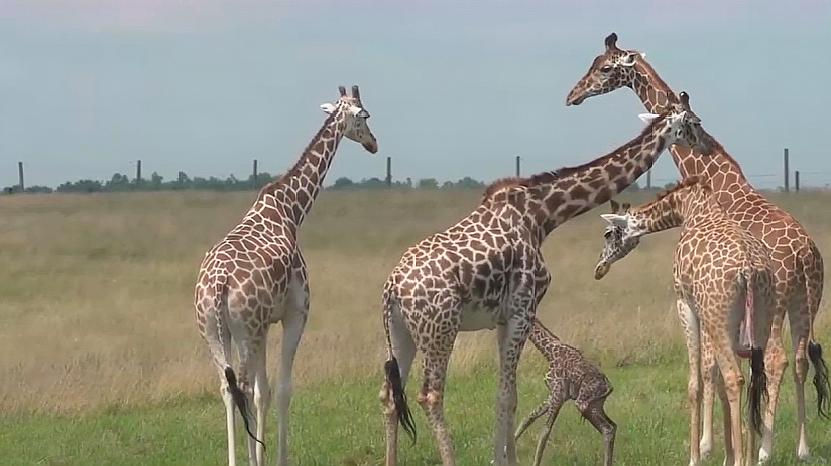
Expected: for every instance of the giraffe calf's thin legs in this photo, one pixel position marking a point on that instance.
(545, 435)
(535, 414)
(597, 416)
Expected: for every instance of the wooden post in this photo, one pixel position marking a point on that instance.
(254, 178)
(138, 171)
(517, 166)
(649, 179)
(796, 180)
(20, 176)
(787, 173)
(388, 178)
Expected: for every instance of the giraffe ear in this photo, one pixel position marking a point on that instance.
(647, 117)
(614, 205)
(616, 220)
(625, 207)
(328, 107)
(629, 59)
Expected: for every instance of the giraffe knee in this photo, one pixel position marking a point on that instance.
(428, 399)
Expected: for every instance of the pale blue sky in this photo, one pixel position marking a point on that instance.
(455, 89)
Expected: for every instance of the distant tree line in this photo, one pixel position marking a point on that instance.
(122, 183)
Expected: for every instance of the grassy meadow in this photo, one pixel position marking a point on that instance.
(103, 364)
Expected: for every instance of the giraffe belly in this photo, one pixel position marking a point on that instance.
(477, 318)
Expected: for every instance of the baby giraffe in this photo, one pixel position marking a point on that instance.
(722, 279)
(570, 377)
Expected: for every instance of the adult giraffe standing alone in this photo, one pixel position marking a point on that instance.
(487, 272)
(256, 276)
(797, 261)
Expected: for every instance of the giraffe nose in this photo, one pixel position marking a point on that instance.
(601, 270)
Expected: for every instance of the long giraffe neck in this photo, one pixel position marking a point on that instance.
(722, 172)
(687, 204)
(290, 198)
(542, 338)
(552, 198)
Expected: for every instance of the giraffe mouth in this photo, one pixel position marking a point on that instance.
(575, 99)
(371, 147)
(601, 270)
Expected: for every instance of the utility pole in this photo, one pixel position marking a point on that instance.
(517, 166)
(20, 176)
(388, 178)
(787, 173)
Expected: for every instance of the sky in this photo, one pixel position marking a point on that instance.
(454, 88)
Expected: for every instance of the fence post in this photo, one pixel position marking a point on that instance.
(649, 179)
(517, 166)
(138, 171)
(254, 177)
(388, 178)
(787, 173)
(20, 176)
(796, 180)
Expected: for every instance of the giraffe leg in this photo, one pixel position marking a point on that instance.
(262, 399)
(403, 350)
(228, 400)
(733, 383)
(799, 337)
(727, 420)
(546, 433)
(692, 333)
(776, 362)
(511, 338)
(294, 322)
(597, 416)
(431, 398)
(535, 414)
(708, 374)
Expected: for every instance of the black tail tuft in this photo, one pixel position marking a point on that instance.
(757, 389)
(821, 382)
(399, 398)
(240, 401)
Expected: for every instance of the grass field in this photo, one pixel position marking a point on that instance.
(103, 364)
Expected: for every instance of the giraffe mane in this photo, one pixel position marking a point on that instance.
(551, 176)
(294, 171)
(686, 182)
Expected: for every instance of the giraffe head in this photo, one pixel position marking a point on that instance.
(354, 115)
(682, 126)
(618, 239)
(613, 69)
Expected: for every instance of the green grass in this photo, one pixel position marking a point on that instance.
(339, 423)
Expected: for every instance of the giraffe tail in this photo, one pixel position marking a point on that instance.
(392, 375)
(221, 307)
(813, 293)
(757, 388)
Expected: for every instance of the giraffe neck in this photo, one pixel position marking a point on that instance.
(685, 205)
(722, 172)
(290, 198)
(542, 337)
(552, 198)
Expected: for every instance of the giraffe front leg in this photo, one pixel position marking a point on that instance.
(536, 414)
(511, 339)
(546, 433)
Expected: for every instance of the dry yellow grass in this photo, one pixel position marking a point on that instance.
(96, 291)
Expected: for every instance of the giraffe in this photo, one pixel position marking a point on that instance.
(256, 276)
(570, 377)
(723, 278)
(487, 272)
(798, 264)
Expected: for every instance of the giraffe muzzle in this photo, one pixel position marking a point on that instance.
(601, 270)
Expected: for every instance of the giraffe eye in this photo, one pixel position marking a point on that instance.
(606, 68)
